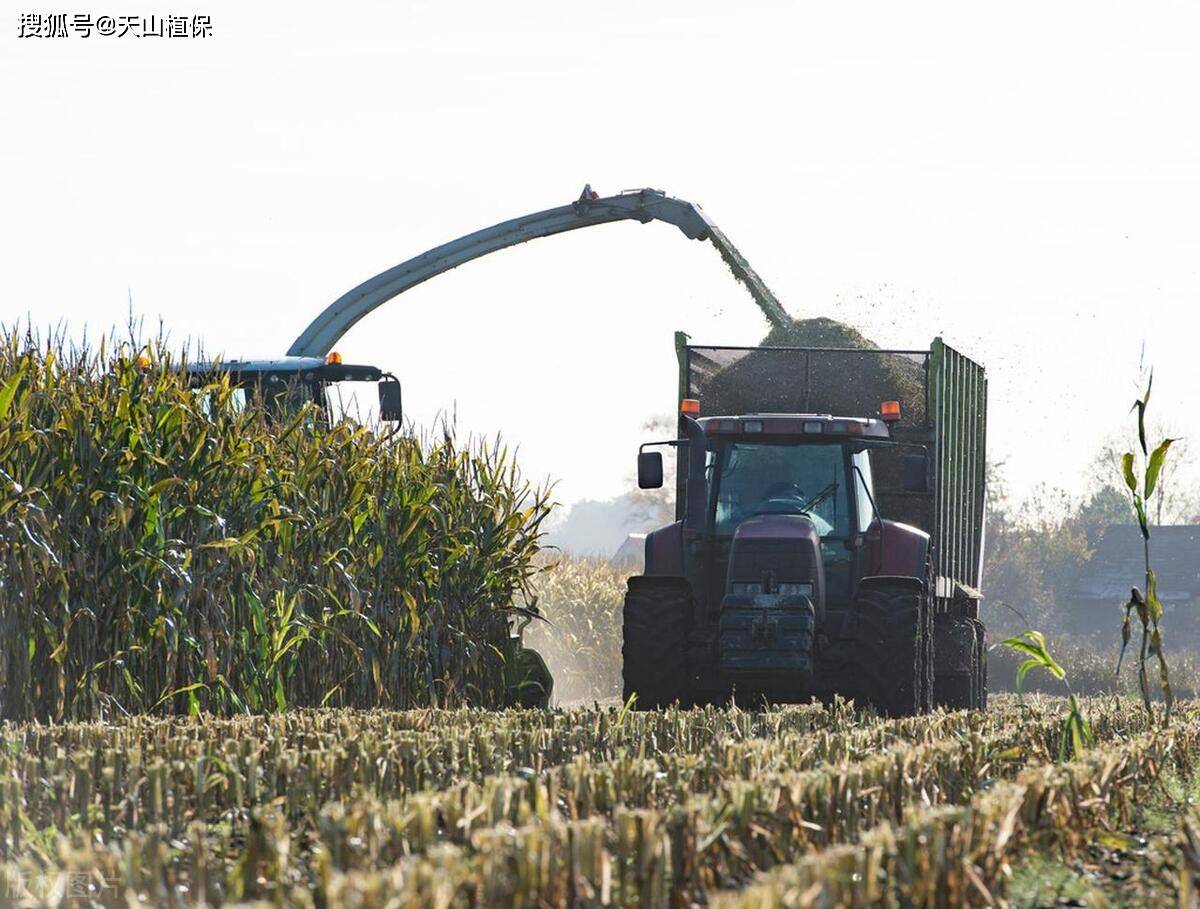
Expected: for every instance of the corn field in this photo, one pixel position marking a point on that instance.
(163, 552)
(579, 632)
(799, 806)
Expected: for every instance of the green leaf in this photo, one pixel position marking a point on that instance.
(1024, 668)
(9, 391)
(1152, 600)
(1127, 470)
(1141, 515)
(1018, 644)
(1126, 632)
(170, 694)
(1141, 406)
(258, 614)
(1111, 839)
(1081, 729)
(1155, 466)
(625, 710)
(1033, 643)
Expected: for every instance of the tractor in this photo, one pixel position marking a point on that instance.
(823, 546)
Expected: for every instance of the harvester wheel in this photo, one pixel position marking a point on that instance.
(891, 631)
(529, 683)
(657, 614)
(956, 667)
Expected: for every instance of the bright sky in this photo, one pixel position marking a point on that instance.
(1023, 180)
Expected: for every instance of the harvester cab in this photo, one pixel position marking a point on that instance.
(789, 573)
(281, 386)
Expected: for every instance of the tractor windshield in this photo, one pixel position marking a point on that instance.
(757, 478)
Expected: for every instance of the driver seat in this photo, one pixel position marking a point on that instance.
(777, 554)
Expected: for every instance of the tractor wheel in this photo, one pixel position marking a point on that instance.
(891, 621)
(657, 615)
(927, 690)
(981, 678)
(956, 670)
(529, 682)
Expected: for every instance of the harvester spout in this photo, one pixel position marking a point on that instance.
(643, 205)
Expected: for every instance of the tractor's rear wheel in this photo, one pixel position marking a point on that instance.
(891, 644)
(657, 615)
(956, 669)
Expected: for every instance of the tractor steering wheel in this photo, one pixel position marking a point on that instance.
(779, 498)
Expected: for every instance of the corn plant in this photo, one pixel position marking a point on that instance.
(1076, 730)
(1141, 477)
(161, 551)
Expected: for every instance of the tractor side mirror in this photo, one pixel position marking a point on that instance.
(650, 470)
(915, 476)
(389, 401)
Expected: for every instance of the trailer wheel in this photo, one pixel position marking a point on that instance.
(981, 676)
(956, 667)
(891, 644)
(657, 615)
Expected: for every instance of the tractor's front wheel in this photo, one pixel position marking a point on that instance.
(891, 644)
(657, 615)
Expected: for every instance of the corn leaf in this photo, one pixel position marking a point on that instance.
(1127, 470)
(1154, 468)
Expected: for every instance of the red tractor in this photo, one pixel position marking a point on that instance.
(817, 551)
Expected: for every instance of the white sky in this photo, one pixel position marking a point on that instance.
(1023, 179)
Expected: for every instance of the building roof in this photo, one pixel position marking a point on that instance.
(632, 552)
(1118, 563)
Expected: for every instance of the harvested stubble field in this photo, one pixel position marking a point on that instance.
(798, 806)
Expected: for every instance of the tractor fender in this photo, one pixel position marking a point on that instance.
(897, 549)
(664, 551)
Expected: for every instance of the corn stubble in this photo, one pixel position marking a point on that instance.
(798, 806)
(162, 552)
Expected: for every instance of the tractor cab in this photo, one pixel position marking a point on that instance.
(283, 385)
(797, 485)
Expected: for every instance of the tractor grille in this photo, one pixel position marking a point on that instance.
(785, 561)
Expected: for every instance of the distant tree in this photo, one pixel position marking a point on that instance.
(1034, 551)
(1105, 507)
